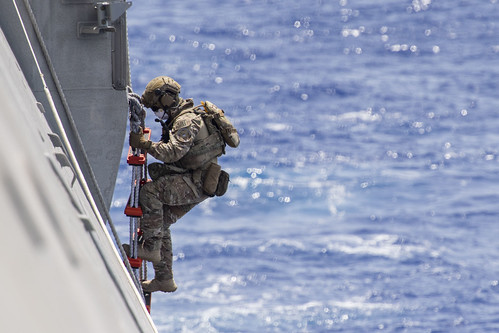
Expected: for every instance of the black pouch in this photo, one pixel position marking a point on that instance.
(155, 170)
(211, 179)
(223, 183)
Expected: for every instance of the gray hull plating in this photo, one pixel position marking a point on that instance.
(62, 272)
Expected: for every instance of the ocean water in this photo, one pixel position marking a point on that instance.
(363, 196)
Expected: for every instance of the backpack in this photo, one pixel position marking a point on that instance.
(227, 130)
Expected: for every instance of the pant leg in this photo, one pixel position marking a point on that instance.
(171, 190)
(151, 223)
(164, 269)
(176, 195)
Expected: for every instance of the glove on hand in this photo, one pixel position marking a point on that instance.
(137, 140)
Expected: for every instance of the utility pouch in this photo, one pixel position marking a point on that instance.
(211, 179)
(223, 183)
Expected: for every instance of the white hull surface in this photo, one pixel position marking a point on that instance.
(61, 270)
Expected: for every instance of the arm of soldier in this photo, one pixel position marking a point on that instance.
(181, 139)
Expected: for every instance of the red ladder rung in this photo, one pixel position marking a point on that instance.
(135, 262)
(133, 211)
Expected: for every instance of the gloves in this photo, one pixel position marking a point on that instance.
(137, 140)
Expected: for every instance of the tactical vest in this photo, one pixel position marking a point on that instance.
(207, 146)
(211, 139)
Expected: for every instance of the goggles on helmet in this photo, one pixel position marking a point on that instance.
(164, 98)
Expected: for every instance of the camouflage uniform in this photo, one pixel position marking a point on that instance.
(171, 196)
(189, 149)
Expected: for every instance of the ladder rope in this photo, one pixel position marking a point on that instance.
(139, 173)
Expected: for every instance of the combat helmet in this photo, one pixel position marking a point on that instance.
(159, 87)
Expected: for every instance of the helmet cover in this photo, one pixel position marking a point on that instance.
(157, 87)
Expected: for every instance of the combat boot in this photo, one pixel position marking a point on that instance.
(152, 255)
(167, 286)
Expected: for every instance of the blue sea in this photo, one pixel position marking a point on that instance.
(364, 194)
